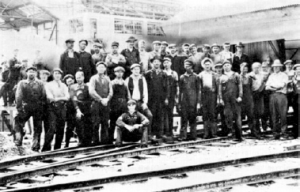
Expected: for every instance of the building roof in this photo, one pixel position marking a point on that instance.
(22, 13)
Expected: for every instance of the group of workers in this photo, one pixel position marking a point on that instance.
(133, 94)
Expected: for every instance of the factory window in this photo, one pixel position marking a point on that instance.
(155, 29)
(128, 26)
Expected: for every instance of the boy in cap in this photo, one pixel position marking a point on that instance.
(81, 100)
(30, 99)
(188, 101)
(231, 94)
(114, 59)
(57, 95)
(69, 80)
(132, 126)
(70, 60)
(131, 55)
(158, 93)
(86, 61)
(172, 86)
(216, 55)
(119, 99)
(208, 88)
(101, 91)
(138, 90)
(239, 58)
(277, 84)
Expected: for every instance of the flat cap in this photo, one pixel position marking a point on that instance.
(70, 40)
(172, 45)
(188, 62)
(115, 44)
(131, 39)
(86, 41)
(119, 68)
(131, 102)
(295, 66)
(205, 60)
(227, 62)
(156, 57)
(58, 70)
(134, 66)
(287, 61)
(101, 63)
(31, 68)
(167, 59)
(156, 42)
(219, 64)
(45, 72)
(226, 44)
(98, 45)
(164, 43)
(215, 45)
(67, 77)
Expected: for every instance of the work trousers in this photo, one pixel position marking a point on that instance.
(57, 117)
(71, 123)
(209, 103)
(259, 108)
(189, 115)
(296, 119)
(23, 115)
(100, 116)
(84, 125)
(220, 111)
(266, 118)
(138, 134)
(147, 113)
(118, 107)
(278, 109)
(168, 118)
(156, 108)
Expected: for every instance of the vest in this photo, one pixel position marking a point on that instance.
(141, 87)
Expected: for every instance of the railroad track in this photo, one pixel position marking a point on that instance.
(53, 162)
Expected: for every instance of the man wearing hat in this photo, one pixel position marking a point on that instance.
(158, 93)
(231, 94)
(216, 55)
(86, 61)
(119, 99)
(296, 107)
(145, 56)
(131, 55)
(57, 96)
(188, 101)
(69, 80)
(277, 84)
(30, 99)
(239, 58)
(226, 54)
(82, 100)
(186, 48)
(138, 90)
(156, 49)
(208, 82)
(163, 50)
(132, 126)
(114, 59)
(70, 60)
(101, 91)
(99, 53)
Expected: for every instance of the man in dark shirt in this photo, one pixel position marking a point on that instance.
(70, 60)
(30, 99)
(81, 99)
(132, 126)
(101, 91)
(158, 95)
(239, 58)
(178, 62)
(131, 55)
(86, 61)
(189, 101)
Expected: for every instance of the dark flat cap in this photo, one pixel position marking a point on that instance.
(188, 62)
(131, 39)
(206, 46)
(185, 44)
(115, 44)
(240, 44)
(86, 41)
(70, 40)
(67, 77)
(31, 68)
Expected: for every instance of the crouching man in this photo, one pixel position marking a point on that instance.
(132, 126)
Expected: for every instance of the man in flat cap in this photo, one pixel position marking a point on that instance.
(101, 91)
(132, 126)
(226, 54)
(30, 99)
(163, 50)
(216, 54)
(82, 100)
(231, 94)
(131, 55)
(138, 90)
(158, 95)
(114, 59)
(145, 56)
(156, 49)
(86, 61)
(208, 98)
(239, 58)
(99, 52)
(186, 48)
(70, 60)
(188, 101)
(277, 84)
(119, 99)
(57, 96)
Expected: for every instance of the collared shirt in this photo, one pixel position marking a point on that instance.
(132, 119)
(57, 90)
(207, 79)
(278, 80)
(257, 81)
(100, 85)
(136, 95)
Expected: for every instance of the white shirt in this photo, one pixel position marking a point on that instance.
(145, 59)
(206, 79)
(136, 95)
(57, 90)
(258, 81)
(277, 80)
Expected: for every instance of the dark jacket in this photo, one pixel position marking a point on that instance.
(69, 65)
(87, 65)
